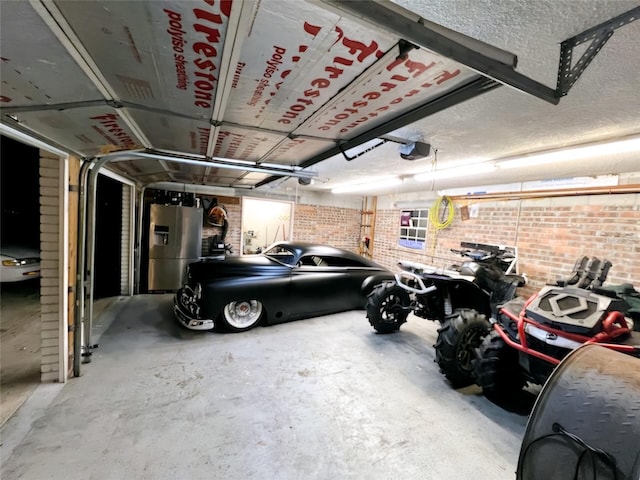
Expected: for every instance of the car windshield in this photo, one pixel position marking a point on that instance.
(281, 254)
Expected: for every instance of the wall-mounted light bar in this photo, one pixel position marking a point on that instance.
(461, 171)
(379, 183)
(627, 145)
(581, 152)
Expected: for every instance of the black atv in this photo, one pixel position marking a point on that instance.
(530, 338)
(462, 299)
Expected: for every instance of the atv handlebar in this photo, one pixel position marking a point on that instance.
(480, 255)
(482, 246)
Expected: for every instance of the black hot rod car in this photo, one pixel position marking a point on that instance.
(288, 281)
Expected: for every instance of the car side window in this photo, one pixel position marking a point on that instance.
(327, 261)
(280, 254)
(311, 261)
(341, 262)
(284, 258)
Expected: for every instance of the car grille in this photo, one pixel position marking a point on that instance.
(188, 302)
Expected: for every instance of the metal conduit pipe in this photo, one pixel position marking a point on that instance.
(80, 273)
(139, 238)
(614, 189)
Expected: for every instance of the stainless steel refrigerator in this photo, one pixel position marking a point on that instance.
(175, 240)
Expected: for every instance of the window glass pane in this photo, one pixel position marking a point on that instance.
(413, 228)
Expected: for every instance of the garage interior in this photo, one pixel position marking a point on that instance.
(324, 123)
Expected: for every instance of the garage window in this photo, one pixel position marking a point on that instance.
(413, 228)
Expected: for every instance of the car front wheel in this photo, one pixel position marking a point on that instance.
(243, 315)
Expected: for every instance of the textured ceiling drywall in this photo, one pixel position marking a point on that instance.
(603, 104)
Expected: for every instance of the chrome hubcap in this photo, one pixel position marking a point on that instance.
(243, 314)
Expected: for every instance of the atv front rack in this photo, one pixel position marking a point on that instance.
(613, 326)
(413, 283)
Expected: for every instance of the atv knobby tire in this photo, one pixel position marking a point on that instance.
(497, 369)
(458, 338)
(387, 307)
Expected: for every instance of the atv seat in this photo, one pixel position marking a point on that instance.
(479, 271)
(587, 273)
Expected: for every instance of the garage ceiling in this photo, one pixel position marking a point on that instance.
(260, 94)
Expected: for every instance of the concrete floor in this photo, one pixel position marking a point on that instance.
(314, 399)
(20, 341)
(19, 344)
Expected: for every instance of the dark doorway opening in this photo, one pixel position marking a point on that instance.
(108, 264)
(20, 325)
(19, 174)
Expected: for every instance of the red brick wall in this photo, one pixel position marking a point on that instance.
(335, 226)
(550, 235)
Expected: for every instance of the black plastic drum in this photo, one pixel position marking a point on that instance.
(586, 421)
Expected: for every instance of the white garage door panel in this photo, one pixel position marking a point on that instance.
(295, 151)
(83, 129)
(30, 63)
(173, 133)
(159, 54)
(391, 87)
(297, 57)
(251, 145)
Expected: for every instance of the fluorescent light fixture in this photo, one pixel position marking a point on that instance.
(461, 171)
(358, 187)
(587, 151)
(282, 171)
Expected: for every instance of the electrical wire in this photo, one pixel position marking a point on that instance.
(434, 213)
(434, 220)
(588, 451)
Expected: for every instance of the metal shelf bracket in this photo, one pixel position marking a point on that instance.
(598, 35)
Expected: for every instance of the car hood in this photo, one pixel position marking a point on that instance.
(16, 251)
(225, 267)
